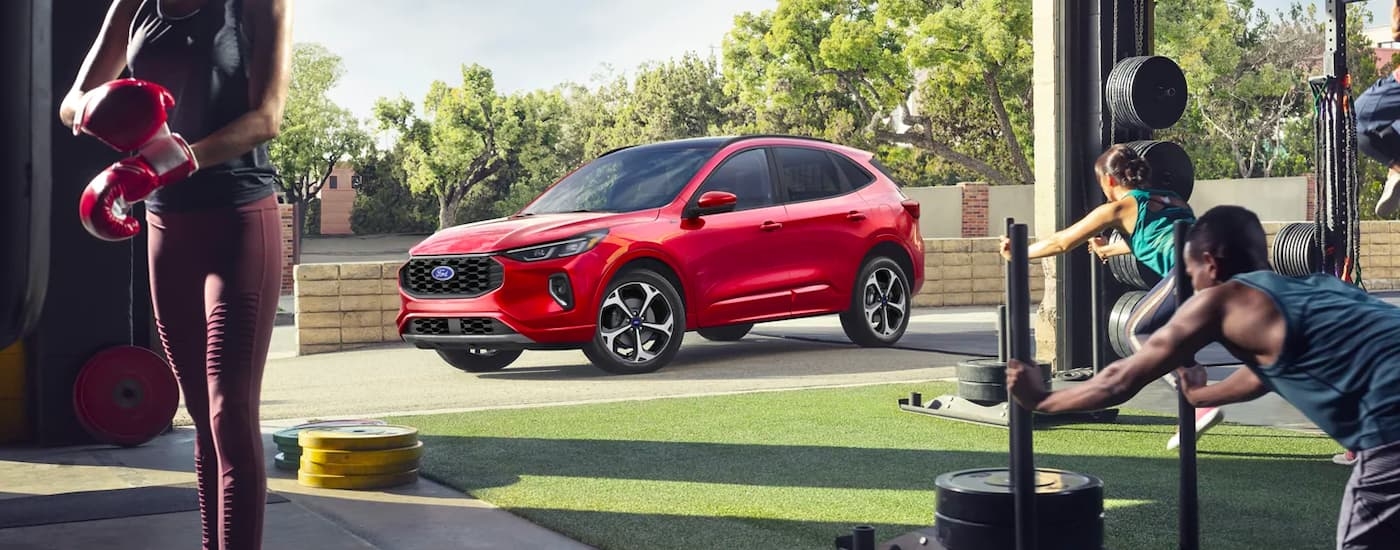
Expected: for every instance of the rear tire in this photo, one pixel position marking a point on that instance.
(880, 304)
(479, 360)
(728, 333)
(640, 324)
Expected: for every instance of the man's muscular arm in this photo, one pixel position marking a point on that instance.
(1194, 326)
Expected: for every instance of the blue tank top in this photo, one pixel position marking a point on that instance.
(1153, 240)
(1340, 363)
(202, 58)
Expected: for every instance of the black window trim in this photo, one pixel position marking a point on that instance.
(840, 174)
(694, 200)
(869, 178)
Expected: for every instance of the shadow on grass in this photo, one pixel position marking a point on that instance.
(1281, 500)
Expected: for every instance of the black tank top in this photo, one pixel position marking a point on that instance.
(202, 58)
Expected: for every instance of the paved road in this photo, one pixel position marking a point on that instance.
(357, 248)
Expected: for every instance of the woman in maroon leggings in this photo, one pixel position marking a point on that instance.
(214, 241)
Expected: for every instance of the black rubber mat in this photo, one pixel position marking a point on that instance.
(107, 504)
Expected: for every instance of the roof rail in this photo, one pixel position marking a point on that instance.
(736, 139)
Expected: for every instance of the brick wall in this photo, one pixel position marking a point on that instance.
(288, 278)
(974, 209)
(346, 306)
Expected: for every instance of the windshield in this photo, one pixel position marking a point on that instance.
(625, 181)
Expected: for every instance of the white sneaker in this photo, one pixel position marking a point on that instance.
(1345, 459)
(1205, 419)
(1390, 200)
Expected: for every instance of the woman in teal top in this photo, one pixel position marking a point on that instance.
(1146, 216)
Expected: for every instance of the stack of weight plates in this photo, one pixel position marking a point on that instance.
(288, 455)
(359, 457)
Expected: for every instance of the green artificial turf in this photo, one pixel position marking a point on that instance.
(795, 469)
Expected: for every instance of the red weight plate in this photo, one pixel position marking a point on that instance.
(125, 396)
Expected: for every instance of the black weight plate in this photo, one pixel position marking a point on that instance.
(983, 495)
(982, 393)
(1148, 92)
(985, 371)
(1118, 321)
(1128, 270)
(1172, 168)
(290, 463)
(956, 534)
(1296, 251)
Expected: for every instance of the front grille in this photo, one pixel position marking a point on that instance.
(430, 326)
(472, 276)
(475, 326)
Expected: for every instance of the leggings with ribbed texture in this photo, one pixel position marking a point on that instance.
(215, 280)
(1152, 313)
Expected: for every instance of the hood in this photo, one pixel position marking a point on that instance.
(514, 232)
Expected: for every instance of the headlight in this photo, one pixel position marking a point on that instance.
(558, 249)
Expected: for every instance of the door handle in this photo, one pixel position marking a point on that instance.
(855, 216)
(771, 226)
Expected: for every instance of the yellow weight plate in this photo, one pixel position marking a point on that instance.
(358, 438)
(363, 458)
(317, 468)
(357, 482)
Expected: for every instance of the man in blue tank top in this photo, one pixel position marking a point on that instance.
(1327, 347)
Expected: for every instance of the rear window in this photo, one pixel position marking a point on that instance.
(875, 161)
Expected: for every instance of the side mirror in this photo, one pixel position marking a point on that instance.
(712, 202)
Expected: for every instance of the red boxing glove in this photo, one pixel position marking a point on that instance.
(105, 205)
(124, 114)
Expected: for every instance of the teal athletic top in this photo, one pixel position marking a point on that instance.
(1152, 240)
(1340, 363)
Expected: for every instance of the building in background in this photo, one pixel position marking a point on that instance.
(1386, 47)
(337, 198)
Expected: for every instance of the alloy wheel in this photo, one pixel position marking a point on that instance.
(636, 322)
(886, 303)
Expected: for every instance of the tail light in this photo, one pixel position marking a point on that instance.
(911, 206)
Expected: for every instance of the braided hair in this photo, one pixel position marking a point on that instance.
(1125, 166)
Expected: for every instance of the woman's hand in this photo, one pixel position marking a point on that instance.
(1098, 245)
(1006, 247)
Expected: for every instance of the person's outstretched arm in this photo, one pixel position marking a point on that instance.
(1195, 325)
(269, 75)
(1101, 218)
(1242, 385)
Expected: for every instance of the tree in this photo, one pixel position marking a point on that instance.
(468, 137)
(383, 202)
(949, 78)
(316, 134)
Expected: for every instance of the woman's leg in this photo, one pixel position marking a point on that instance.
(1150, 314)
(241, 298)
(179, 265)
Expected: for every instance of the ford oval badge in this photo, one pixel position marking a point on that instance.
(444, 273)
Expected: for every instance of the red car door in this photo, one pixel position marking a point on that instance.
(828, 227)
(730, 256)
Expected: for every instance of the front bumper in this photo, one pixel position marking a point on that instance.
(516, 311)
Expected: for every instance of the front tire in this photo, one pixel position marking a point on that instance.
(880, 304)
(479, 360)
(640, 324)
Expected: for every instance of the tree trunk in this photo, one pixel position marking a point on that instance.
(1018, 155)
(447, 210)
(923, 141)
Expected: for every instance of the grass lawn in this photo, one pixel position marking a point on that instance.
(795, 469)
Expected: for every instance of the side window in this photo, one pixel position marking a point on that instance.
(746, 176)
(856, 176)
(808, 174)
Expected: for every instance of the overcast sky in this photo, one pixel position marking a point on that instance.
(400, 46)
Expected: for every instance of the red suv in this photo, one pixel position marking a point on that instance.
(623, 256)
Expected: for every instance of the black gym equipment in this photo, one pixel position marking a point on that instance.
(97, 297)
(1172, 168)
(1297, 251)
(1128, 270)
(1118, 321)
(1147, 92)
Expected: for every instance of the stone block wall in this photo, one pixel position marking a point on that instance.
(344, 306)
(969, 272)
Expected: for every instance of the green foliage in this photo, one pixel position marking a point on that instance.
(383, 203)
(311, 222)
(315, 132)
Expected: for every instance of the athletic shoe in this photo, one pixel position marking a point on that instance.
(1389, 198)
(1205, 419)
(1345, 459)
